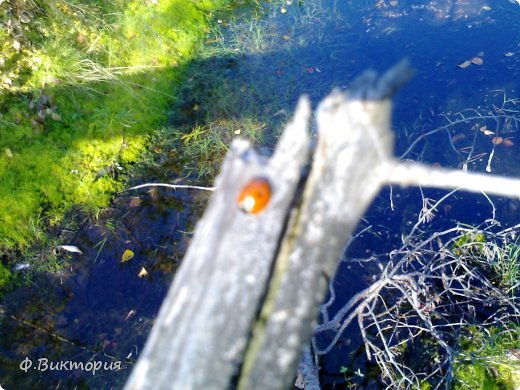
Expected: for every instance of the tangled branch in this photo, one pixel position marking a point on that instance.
(433, 290)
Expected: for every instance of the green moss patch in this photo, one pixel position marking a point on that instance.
(84, 84)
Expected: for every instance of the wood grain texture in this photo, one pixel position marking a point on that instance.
(203, 327)
(351, 163)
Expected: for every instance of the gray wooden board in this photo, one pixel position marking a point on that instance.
(351, 163)
(205, 321)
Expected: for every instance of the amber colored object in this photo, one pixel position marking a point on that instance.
(254, 196)
(497, 140)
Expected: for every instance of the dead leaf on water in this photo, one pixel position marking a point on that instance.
(477, 61)
(508, 143)
(154, 195)
(143, 273)
(135, 202)
(70, 248)
(465, 64)
(486, 131)
(127, 255)
(509, 54)
(130, 314)
(497, 140)
(458, 137)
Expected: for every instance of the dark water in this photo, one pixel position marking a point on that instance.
(100, 310)
(97, 309)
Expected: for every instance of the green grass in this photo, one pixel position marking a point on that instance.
(483, 362)
(507, 266)
(84, 85)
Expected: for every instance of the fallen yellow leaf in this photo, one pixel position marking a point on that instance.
(127, 255)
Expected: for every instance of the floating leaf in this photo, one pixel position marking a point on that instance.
(509, 54)
(143, 273)
(70, 248)
(486, 8)
(130, 314)
(486, 131)
(497, 140)
(508, 143)
(135, 202)
(8, 152)
(465, 64)
(458, 137)
(127, 255)
(477, 61)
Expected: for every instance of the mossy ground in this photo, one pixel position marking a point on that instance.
(84, 85)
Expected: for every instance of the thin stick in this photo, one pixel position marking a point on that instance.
(174, 186)
(415, 174)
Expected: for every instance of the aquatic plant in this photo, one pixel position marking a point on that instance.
(494, 123)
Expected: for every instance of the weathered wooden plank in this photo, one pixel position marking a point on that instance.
(203, 327)
(351, 163)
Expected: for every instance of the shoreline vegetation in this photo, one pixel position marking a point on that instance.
(84, 88)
